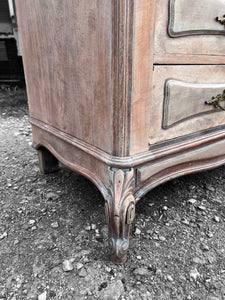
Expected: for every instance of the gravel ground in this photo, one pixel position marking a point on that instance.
(53, 235)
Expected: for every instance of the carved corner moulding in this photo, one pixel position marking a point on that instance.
(120, 211)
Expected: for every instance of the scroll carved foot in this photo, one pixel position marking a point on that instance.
(120, 212)
(47, 161)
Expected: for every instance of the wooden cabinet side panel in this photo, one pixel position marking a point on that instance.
(66, 49)
(74, 158)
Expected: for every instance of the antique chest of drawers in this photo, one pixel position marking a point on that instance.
(127, 92)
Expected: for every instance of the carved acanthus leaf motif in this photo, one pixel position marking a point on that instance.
(120, 211)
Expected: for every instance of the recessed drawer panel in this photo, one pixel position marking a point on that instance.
(189, 17)
(191, 28)
(178, 105)
(184, 100)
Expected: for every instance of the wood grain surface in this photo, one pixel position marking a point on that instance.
(102, 105)
(194, 160)
(195, 17)
(184, 100)
(67, 57)
(189, 17)
(207, 75)
(143, 44)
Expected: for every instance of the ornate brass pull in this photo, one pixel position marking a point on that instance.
(221, 20)
(215, 101)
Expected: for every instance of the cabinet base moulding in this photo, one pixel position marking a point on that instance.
(122, 185)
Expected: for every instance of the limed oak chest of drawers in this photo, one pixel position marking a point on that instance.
(127, 92)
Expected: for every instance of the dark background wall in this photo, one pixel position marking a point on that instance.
(11, 67)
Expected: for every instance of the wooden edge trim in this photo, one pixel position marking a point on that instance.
(184, 170)
(106, 158)
(132, 161)
(190, 59)
(122, 47)
(77, 168)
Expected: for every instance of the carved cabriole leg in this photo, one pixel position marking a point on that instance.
(47, 162)
(120, 212)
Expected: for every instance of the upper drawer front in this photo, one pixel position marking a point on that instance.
(189, 17)
(189, 29)
(178, 100)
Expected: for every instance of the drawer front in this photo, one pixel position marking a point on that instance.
(178, 105)
(189, 27)
(190, 17)
(196, 159)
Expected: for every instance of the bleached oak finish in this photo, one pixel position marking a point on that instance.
(183, 101)
(117, 92)
(192, 17)
(120, 212)
(200, 34)
(186, 104)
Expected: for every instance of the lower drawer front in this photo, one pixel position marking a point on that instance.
(178, 105)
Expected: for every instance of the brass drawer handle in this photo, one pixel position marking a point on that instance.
(221, 20)
(215, 101)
